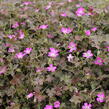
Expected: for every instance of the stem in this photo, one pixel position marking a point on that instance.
(94, 90)
(39, 106)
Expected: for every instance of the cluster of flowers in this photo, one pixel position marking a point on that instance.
(56, 105)
(82, 12)
(53, 53)
(20, 55)
(19, 33)
(88, 32)
(69, 30)
(100, 98)
(73, 47)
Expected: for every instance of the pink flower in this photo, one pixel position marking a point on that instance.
(27, 50)
(37, 10)
(39, 69)
(57, 104)
(11, 50)
(69, 1)
(72, 46)
(63, 14)
(99, 61)
(51, 68)
(50, 36)
(48, 107)
(12, 103)
(15, 25)
(80, 11)
(27, 3)
(66, 30)
(23, 23)
(43, 26)
(3, 69)
(1, 60)
(107, 48)
(100, 97)
(69, 57)
(19, 55)
(11, 36)
(86, 106)
(78, 5)
(21, 34)
(30, 95)
(88, 14)
(53, 53)
(88, 32)
(7, 45)
(94, 29)
(48, 7)
(88, 54)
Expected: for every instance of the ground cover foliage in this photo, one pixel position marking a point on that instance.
(54, 54)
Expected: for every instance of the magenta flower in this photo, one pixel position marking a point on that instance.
(11, 50)
(86, 106)
(50, 36)
(39, 69)
(66, 30)
(63, 14)
(88, 32)
(72, 46)
(80, 11)
(69, 0)
(107, 48)
(99, 61)
(78, 5)
(51, 68)
(11, 36)
(48, 7)
(21, 34)
(15, 25)
(19, 55)
(30, 95)
(94, 29)
(23, 23)
(100, 97)
(57, 104)
(48, 107)
(70, 57)
(43, 26)
(27, 50)
(7, 45)
(3, 69)
(27, 3)
(88, 54)
(37, 10)
(53, 53)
